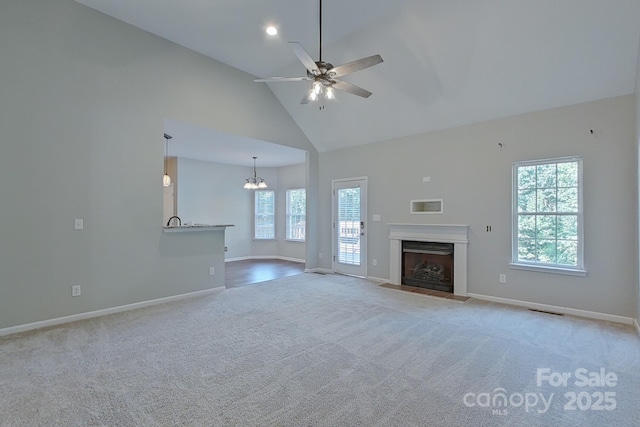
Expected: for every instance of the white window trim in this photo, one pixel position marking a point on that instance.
(266, 239)
(578, 270)
(286, 213)
(548, 269)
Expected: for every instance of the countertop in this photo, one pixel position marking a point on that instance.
(195, 227)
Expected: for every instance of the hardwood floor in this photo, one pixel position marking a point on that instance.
(251, 271)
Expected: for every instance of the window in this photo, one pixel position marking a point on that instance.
(264, 214)
(547, 215)
(296, 214)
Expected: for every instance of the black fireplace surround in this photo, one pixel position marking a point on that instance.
(428, 265)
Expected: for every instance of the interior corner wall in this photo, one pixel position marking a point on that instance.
(289, 177)
(212, 193)
(83, 99)
(472, 173)
(267, 248)
(314, 208)
(637, 96)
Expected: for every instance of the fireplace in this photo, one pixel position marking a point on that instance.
(454, 238)
(427, 265)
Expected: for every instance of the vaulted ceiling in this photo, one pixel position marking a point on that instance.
(446, 62)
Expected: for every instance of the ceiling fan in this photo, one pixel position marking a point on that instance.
(324, 75)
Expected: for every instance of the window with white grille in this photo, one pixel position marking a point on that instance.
(296, 214)
(348, 227)
(547, 215)
(264, 214)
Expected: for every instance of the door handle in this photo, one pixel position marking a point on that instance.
(362, 228)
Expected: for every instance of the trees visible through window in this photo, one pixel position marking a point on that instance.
(348, 230)
(547, 214)
(296, 214)
(264, 214)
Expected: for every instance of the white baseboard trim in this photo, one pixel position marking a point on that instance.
(377, 279)
(635, 323)
(319, 270)
(97, 313)
(283, 258)
(240, 258)
(556, 309)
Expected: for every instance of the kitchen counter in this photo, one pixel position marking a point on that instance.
(195, 227)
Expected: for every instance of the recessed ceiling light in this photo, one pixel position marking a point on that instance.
(271, 30)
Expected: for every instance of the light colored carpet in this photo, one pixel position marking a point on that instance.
(311, 350)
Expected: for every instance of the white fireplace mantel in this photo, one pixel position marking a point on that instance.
(443, 233)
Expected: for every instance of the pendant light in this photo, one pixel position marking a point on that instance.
(166, 179)
(254, 182)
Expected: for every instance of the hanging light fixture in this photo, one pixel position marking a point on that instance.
(166, 179)
(254, 182)
(329, 93)
(318, 89)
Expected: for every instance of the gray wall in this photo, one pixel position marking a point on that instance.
(289, 177)
(473, 175)
(83, 98)
(314, 210)
(264, 248)
(637, 91)
(206, 195)
(212, 193)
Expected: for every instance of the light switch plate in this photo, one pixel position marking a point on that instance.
(79, 224)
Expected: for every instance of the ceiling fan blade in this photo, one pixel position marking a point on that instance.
(352, 89)
(282, 79)
(352, 67)
(304, 57)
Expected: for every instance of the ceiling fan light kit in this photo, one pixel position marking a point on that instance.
(323, 75)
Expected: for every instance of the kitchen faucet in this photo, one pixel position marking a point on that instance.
(177, 217)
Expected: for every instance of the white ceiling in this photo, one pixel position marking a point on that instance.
(194, 142)
(446, 62)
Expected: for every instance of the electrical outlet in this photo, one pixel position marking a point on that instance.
(320, 255)
(212, 271)
(503, 278)
(75, 291)
(375, 262)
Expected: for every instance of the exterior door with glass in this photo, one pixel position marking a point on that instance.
(349, 228)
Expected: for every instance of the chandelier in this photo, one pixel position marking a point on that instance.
(254, 182)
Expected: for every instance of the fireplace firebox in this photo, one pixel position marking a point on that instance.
(428, 265)
(455, 234)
